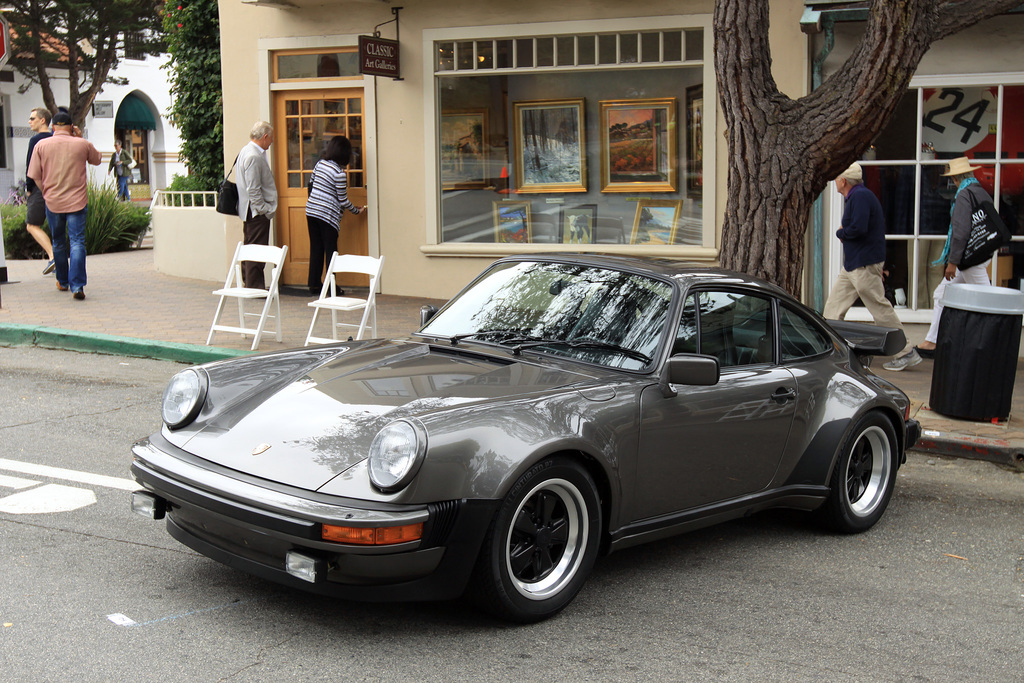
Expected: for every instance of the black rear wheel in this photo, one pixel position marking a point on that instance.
(542, 543)
(863, 479)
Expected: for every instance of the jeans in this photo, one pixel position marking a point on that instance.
(69, 226)
(122, 188)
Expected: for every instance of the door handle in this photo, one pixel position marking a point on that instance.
(783, 394)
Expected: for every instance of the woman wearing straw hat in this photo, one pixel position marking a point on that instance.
(962, 173)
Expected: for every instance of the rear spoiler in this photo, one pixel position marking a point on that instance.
(870, 340)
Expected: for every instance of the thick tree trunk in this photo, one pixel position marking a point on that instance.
(782, 152)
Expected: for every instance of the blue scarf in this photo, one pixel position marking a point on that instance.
(949, 236)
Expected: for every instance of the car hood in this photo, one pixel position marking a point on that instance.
(307, 416)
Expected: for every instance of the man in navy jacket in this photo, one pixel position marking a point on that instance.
(863, 237)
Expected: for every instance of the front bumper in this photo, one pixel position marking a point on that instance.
(252, 526)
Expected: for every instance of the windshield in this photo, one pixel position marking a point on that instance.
(583, 312)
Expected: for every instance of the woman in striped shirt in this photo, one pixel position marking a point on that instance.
(328, 199)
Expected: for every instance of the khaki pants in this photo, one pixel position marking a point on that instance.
(865, 283)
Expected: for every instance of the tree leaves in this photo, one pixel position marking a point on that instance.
(83, 41)
(193, 42)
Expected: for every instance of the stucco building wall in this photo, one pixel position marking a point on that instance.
(401, 161)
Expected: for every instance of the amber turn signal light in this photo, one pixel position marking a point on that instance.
(385, 535)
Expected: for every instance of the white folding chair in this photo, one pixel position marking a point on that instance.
(347, 263)
(233, 288)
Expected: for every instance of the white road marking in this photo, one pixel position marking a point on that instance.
(16, 482)
(47, 498)
(121, 620)
(68, 475)
(52, 497)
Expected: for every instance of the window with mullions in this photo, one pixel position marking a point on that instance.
(582, 139)
(134, 45)
(311, 118)
(904, 169)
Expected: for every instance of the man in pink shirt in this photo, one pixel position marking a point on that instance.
(58, 167)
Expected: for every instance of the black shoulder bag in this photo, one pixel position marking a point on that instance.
(227, 195)
(988, 234)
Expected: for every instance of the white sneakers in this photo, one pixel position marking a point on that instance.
(905, 361)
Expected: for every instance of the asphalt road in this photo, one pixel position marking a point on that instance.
(93, 592)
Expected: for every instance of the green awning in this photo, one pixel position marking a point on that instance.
(133, 114)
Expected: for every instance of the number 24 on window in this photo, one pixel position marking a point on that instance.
(967, 115)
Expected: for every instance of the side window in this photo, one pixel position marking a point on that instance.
(799, 337)
(735, 327)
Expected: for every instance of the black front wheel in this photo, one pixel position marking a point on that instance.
(864, 477)
(542, 543)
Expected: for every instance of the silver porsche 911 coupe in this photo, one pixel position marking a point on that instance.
(559, 408)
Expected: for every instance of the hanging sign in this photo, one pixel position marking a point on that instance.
(378, 57)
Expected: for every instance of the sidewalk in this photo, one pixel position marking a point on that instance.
(131, 309)
(128, 298)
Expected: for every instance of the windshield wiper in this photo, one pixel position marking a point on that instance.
(577, 344)
(456, 338)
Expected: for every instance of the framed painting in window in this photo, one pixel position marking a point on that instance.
(464, 149)
(656, 221)
(577, 223)
(694, 139)
(638, 145)
(549, 146)
(512, 222)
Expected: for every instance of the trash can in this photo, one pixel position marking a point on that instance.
(976, 352)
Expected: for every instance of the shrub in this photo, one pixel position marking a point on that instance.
(192, 32)
(189, 183)
(110, 225)
(18, 243)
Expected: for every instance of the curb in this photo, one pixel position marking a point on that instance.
(999, 451)
(70, 340)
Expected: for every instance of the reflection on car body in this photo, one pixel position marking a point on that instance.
(557, 409)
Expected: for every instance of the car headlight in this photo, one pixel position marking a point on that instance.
(183, 398)
(396, 454)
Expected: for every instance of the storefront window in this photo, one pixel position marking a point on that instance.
(541, 151)
(904, 169)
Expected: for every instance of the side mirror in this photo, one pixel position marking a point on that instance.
(426, 313)
(691, 369)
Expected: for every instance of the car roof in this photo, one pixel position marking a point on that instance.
(687, 274)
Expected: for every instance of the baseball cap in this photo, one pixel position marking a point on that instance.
(62, 118)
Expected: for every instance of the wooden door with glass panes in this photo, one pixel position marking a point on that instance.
(136, 142)
(304, 121)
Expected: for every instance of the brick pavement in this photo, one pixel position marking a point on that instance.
(127, 296)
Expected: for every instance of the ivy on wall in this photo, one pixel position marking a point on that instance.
(192, 29)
